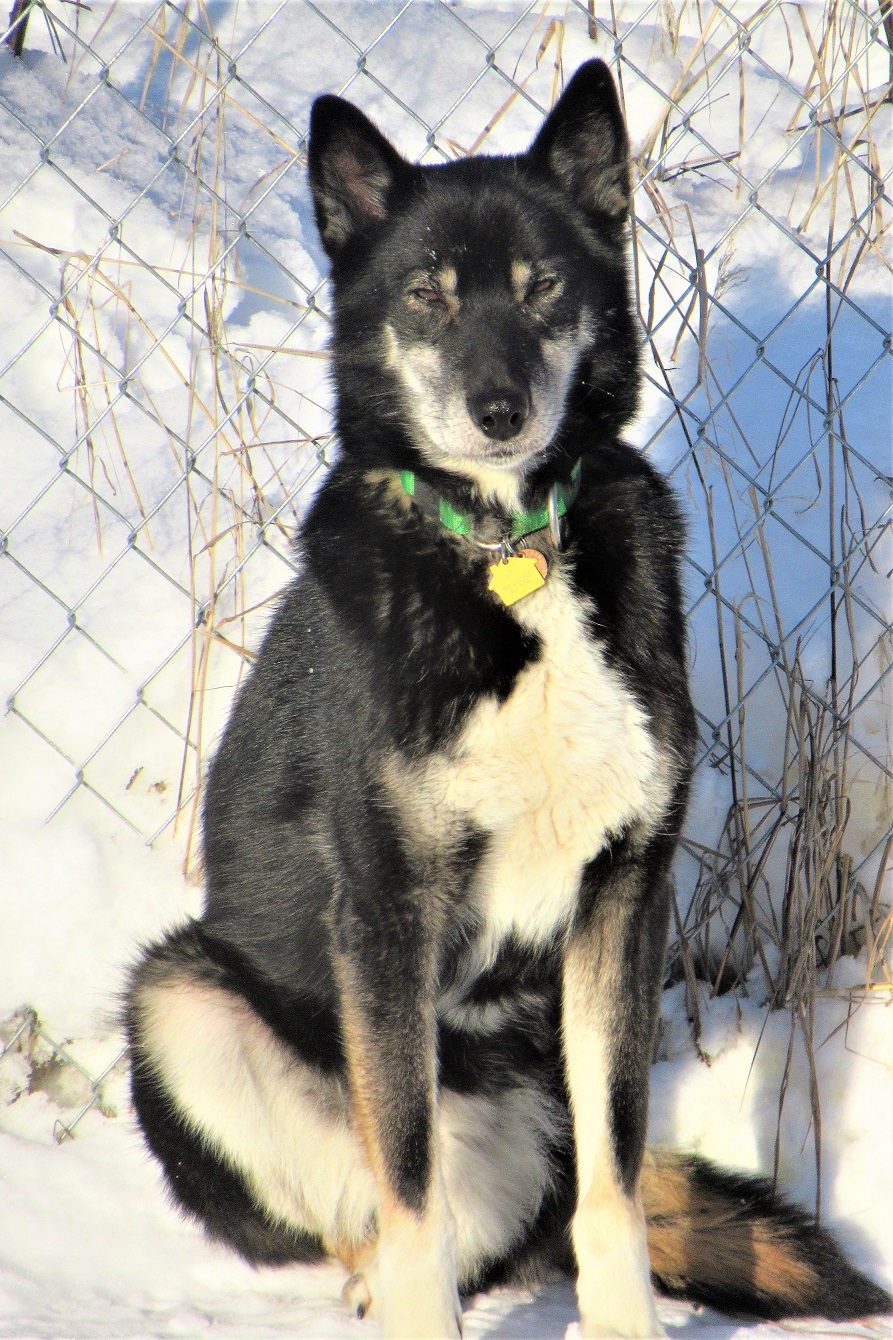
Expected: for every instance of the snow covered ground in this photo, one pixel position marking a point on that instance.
(198, 463)
(90, 1248)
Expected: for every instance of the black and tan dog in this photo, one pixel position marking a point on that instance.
(413, 1027)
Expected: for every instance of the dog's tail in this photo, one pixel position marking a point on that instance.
(729, 1241)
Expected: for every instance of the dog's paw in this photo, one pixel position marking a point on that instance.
(616, 1314)
(423, 1316)
(614, 1292)
(417, 1275)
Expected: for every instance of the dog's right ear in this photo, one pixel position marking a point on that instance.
(354, 171)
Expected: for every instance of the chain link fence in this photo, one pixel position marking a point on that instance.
(165, 411)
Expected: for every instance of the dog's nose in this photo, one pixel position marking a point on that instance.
(501, 413)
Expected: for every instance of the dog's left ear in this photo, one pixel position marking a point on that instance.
(354, 171)
(583, 143)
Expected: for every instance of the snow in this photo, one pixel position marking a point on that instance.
(91, 1247)
(98, 645)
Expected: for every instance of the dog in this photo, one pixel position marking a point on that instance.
(413, 1027)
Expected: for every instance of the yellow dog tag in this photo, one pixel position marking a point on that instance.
(518, 576)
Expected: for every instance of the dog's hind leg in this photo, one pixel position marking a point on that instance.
(256, 1144)
(611, 980)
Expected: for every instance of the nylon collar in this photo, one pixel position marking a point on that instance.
(462, 523)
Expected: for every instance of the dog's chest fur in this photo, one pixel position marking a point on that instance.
(548, 775)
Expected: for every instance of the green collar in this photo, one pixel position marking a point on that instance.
(462, 523)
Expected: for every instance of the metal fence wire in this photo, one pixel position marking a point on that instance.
(165, 411)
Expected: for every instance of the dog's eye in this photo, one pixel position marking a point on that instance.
(425, 294)
(540, 287)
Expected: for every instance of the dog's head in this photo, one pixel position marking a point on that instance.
(480, 303)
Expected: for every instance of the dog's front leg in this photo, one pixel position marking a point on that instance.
(611, 991)
(386, 975)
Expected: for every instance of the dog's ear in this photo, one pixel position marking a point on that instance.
(583, 143)
(353, 171)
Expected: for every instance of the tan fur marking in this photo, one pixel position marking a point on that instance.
(448, 283)
(521, 276)
(666, 1189)
(447, 278)
(361, 1086)
(389, 480)
(693, 1235)
(778, 1271)
(354, 1256)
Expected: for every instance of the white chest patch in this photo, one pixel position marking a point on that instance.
(551, 773)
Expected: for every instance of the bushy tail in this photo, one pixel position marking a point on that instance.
(729, 1241)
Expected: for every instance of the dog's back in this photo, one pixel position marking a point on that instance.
(414, 1025)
